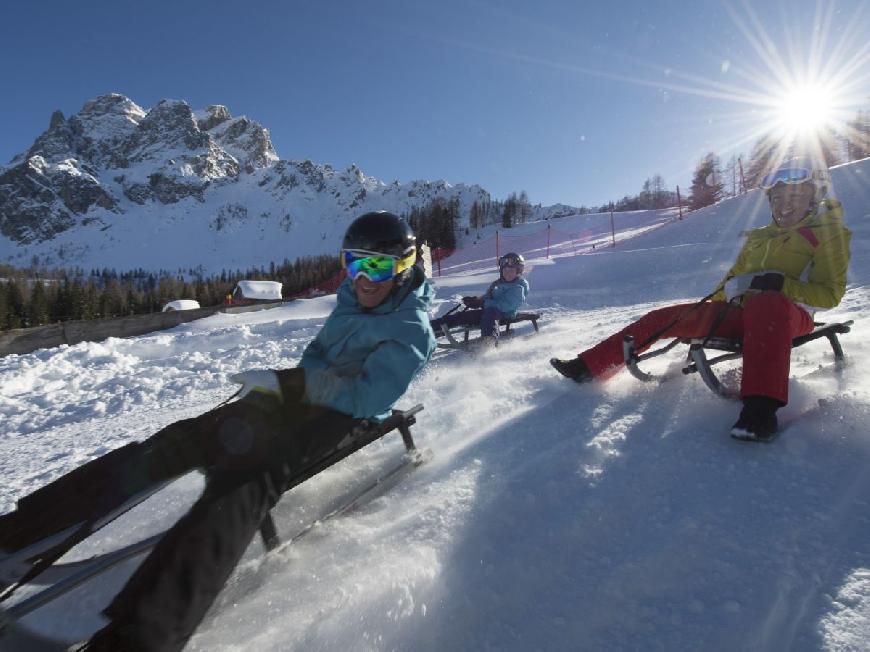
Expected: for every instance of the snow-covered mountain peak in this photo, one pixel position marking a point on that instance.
(92, 135)
(246, 140)
(112, 104)
(171, 186)
(211, 116)
(168, 127)
(103, 126)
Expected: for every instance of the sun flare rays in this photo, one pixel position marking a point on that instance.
(809, 82)
(794, 83)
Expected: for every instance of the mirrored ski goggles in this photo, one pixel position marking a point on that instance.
(786, 175)
(374, 266)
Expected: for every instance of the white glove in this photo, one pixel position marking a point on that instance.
(258, 380)
(737, 285)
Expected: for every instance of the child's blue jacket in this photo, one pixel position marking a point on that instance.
(507, 297)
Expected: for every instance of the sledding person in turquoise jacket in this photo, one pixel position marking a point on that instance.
(501, 301)
(360, 363)
(362, 359)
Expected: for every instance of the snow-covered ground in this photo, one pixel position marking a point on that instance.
(552, 516)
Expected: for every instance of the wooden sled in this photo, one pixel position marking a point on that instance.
(453, 335)
(58, 579)
(698, 362)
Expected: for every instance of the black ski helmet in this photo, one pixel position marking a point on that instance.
(381, 232)
(512, 260)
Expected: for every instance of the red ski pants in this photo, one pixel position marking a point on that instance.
(767, 322)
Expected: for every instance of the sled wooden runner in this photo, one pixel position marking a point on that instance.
(698, 362)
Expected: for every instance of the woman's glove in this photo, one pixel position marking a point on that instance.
(264, 381)
(473, 302)
(768, 281)
(764, 280)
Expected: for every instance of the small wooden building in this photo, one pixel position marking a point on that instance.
(247, 293)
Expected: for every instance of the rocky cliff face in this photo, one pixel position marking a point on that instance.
(163, 155)
(89, 179)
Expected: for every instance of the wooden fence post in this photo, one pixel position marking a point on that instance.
(679, 203)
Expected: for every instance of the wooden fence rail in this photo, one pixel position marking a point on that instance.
(27, 340)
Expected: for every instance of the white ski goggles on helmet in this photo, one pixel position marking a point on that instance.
(788, 176)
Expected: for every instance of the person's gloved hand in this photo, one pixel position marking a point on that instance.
(473, 302)
(764, 280)
(768, 281)
(264, 381)
(292, 384)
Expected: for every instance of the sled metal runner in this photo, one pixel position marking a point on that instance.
(61, 578)
(464, 331)
(698, 362)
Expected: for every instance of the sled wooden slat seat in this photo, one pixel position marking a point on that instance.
(821, 330)
(464, 331)
(520, 317)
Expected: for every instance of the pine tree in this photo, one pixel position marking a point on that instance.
(131, 302)
(731, 177)
(91, 304)
(70, 307)
(707, 182)
(857, 137)
(4, 307)
(451, 222)
(524, 207)
(16, 316)
(37, 311)
(765, 156)
(509, 211)
(475, 217)
(660, 195)
(59, 307)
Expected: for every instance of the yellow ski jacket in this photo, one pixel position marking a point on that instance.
(813, 255)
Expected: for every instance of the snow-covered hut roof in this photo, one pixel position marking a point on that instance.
(261, 290)
(181, 304)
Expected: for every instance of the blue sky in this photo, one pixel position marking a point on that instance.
(572, 102)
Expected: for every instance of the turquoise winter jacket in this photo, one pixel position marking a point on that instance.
(507, 296)
(362, 361)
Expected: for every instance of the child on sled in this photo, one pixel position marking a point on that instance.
(501, 301)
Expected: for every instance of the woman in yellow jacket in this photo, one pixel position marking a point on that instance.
(785, 271)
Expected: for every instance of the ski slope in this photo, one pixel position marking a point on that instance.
(553, 516)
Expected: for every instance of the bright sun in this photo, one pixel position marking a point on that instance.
(803, 89)
(806, 110)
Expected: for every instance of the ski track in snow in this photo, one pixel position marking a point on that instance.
(553, 516)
